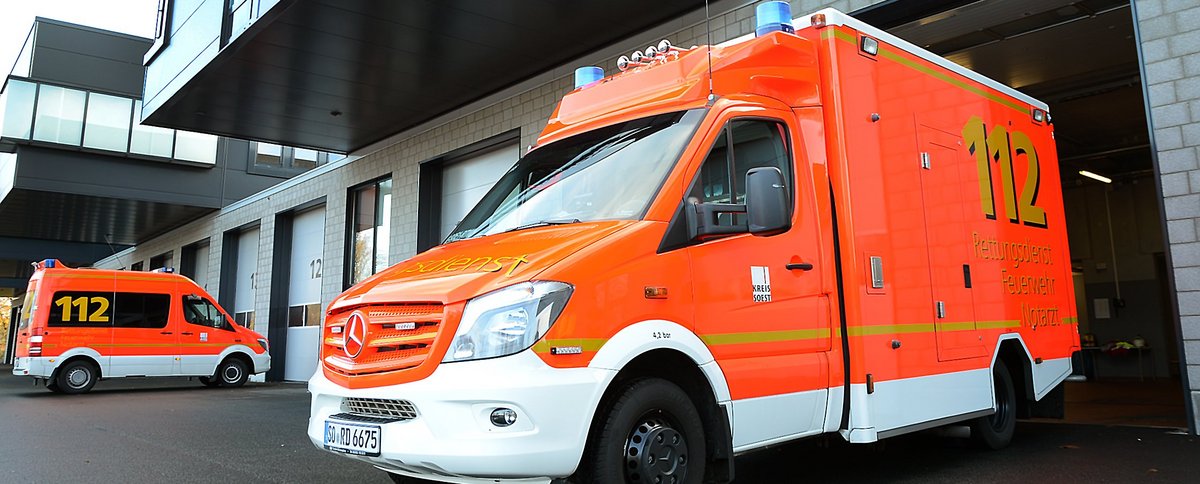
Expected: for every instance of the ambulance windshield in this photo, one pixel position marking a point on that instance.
(610, 173)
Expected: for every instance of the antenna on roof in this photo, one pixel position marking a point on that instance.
(108, 240)
(708, 31)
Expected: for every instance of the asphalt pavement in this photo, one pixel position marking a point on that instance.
(178, 431)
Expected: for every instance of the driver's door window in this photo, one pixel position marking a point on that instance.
(722, 176)
(201, 312)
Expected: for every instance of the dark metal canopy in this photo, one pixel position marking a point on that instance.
(340, 75)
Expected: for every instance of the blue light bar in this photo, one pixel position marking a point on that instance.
(587, 75)
(48, 263)
(773, 17)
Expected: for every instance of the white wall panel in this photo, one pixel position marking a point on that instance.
(308, 240)
(247, 265)
(466, 181)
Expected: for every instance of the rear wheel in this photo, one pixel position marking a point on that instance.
(651, 434)
(52, 385)
(232, 373)
(209, 381)
(76, 377)
(995, 431)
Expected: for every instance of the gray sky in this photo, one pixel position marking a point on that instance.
(134, 17)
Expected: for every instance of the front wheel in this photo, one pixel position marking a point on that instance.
(209, 381)
(995, 431)
(232, 373)
(651, 434)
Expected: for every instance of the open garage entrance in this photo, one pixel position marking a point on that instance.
(1081, 58)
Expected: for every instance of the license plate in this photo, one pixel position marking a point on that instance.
(352, 438)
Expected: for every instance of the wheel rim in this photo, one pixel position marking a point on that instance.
(655, 453)
(78, 377)
(231, 374)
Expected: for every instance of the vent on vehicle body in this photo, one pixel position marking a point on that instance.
(380, 407)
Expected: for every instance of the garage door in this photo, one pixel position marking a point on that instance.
(466, 180)
(200, 274)
(244, 285)
(304, 295)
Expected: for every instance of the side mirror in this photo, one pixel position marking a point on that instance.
(767, 207)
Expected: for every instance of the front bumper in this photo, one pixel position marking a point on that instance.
(452, 437)
(262, 362)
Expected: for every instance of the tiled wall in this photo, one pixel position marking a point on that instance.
(1169, 31)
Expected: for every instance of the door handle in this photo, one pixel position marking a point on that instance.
(803, 266)
(165, 332)
(189, 333)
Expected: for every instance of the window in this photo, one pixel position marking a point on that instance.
(137, 310)
(371, 211)
(197, 147)
(165, 259)
(107, 122)
(201, 311)
(305, 315)
(18, 109)
(610, 173)
(59, 115)
(81, 309)
(304, 158)
(150, 140)
(137, 266)
(722, 177)
(237, 17)
(276, 156)
(27, 308)
(269, 155)
(103, 309)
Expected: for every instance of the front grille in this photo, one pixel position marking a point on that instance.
(399, 336)
(380, 407)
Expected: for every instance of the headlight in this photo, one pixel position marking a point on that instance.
(508, 320)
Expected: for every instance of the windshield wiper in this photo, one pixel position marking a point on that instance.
(543, 223)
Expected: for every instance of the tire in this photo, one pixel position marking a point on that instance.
(209, 381)
(232, 373)
(76, 376)
(651, 433)
(995, 431)
(53, 386)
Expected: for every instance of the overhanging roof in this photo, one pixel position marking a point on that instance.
(341, 74)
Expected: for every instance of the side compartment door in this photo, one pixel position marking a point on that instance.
(942, 183)
(759, 302)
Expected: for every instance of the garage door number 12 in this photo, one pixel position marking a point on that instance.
(96, 316)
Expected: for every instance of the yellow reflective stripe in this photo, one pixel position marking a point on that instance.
(588, 344)
(959, 326)
(890, 329)
(1070, 320)
(1006, 324)
(894, 56)
(764, 336)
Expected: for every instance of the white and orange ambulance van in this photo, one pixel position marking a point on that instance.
(79, 326)
(819, 229)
